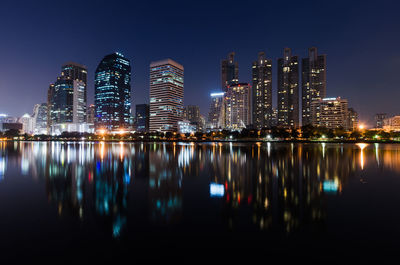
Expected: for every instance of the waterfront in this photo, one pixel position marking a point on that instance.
(210, 201)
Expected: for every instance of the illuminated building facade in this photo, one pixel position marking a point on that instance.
(91, 113)
(229, 71)
(313, 82)
(288, 87)
(262, 91)
(166, 95)
(142, 117)
(192, 114)
(113, 93)
(40, 119)
(216, 116)
(392, 124)
(331, 113)
(67, 96)
(352, 119)
(237, 106)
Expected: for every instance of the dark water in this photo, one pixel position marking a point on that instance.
(198, 203)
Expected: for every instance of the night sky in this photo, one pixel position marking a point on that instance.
(361, 40)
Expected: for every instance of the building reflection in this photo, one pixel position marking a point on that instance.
(269, 187)
(281, 187)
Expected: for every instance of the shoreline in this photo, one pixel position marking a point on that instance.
(212, 141)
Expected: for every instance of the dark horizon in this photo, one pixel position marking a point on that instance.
(360, 40)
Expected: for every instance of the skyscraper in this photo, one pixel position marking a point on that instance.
(262, 91)
(192, 114)
(229, 71)
(216, 116)
(288, 87)
(40, 118)
(66, 98)
(113, 93)
(142, 117)
(91, 113)
(237, 106)
(313, 82)
(166, 95)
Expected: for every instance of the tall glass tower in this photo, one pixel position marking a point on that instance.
(313, 82)
(67, 96)
(229, 72)
(113, 93)
(288, 90)
(262, 91)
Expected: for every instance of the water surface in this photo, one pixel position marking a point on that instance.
(204, 202)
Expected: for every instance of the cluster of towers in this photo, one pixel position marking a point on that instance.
(67, 98)
(252, 104)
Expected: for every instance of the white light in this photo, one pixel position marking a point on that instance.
(217, 190)
(219, 94)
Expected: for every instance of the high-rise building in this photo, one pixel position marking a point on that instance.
(142, 117)
(352, 119)
(66, 98)
(40, 119)
(330, 113)
(288, 87)
(379, 118)
(113, 93)
(216, 116)
(192, 114)
(91, 113)
(262, 91)
(166, 95)
(229, 71)
(237, 106)
(27, 123)
(313, 82)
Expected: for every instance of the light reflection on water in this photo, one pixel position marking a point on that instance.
(261, 186)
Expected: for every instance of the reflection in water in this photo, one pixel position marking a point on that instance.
(278, 187)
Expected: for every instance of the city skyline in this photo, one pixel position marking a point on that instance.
(350, 49)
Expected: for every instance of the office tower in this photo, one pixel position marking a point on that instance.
(50, 107)
(216, 116)
(288, 86)
(40, 118)
(313, 82)
(113, 93)
(237, 106)
(142, 117)
(27, 123)
(330, 113)
(352, 119)
(262, 91)
(78, 73)
(166, 95)
(229, 71)
(192, 114)
(91, 114)
(66, 98)
(379, 118)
